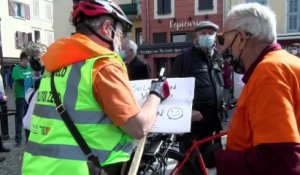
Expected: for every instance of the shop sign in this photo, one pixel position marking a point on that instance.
(184, 24)
(159, 51)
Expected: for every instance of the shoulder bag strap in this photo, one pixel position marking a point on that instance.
(72, 128)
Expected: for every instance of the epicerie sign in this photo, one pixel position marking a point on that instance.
(183, 24)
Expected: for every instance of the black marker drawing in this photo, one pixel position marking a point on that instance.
(175, 113)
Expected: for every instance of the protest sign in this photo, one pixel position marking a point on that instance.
(174, 113)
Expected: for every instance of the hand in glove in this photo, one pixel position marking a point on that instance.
(160, 88)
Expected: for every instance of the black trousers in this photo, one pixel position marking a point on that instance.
(4, 119)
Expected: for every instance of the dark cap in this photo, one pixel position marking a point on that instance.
(207, 25)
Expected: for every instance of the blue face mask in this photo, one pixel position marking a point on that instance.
(123, 54)
(206, 41)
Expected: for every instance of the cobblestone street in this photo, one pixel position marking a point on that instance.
(13, 162)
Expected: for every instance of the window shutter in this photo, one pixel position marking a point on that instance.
(29, 35)
(27, 11)
(293, 16)
(167, 6)
(160, 7)
(11, 8)
(19, 40)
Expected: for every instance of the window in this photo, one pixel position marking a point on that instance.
(160, 37)
(138, 36)
(18, 10)
(22, 39)
(37, 36)
(205, 7)
(164, 9)
(182, 37)
(293, 21)
(263, 2)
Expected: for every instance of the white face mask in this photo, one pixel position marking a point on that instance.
(116, 48)
(206, 41)
(115, 43)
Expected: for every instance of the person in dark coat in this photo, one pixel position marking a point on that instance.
(137, 69)
(3, 98)
(203, 62)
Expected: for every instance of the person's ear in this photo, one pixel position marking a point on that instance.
(243, 39)
(106, 28)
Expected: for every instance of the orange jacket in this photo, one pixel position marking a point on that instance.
(268, 110)
(111, 86)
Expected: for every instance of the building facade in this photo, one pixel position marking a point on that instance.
(63, 26)
(24, 21)
(62, 14)
(21, 22)
(168, 27)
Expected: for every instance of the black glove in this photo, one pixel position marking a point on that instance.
(160, 88)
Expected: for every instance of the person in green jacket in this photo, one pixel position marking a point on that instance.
(22, 77)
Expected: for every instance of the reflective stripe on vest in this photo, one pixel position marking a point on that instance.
(50, 137)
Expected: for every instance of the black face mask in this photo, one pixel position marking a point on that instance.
(236, 63)
(35, 64)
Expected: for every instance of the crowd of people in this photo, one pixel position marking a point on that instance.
(81, 115)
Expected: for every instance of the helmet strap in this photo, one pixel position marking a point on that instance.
(110, 42)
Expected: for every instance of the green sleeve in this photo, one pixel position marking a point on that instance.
(17, 73)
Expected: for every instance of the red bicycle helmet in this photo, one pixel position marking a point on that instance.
(92, 8)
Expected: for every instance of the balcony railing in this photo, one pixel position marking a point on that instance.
(130, 9)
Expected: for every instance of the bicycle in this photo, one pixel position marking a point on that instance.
(162, 148)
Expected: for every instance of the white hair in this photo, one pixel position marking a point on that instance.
(132, 45)
(35, 49)
(254, 18)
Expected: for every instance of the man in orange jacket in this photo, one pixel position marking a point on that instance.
(263, 135)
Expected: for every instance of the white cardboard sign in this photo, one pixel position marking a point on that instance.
(174, 113)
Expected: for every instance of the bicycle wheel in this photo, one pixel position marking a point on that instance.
(173, 157)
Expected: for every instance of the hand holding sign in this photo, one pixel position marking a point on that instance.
(160, 87)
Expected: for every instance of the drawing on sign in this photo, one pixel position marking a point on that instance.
(175, 113)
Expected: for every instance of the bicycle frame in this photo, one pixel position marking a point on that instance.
(195, 147)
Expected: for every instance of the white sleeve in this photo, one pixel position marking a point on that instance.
(28, 115)
(28, 93)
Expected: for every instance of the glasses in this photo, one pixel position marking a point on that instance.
(220, 37)
(122, 35)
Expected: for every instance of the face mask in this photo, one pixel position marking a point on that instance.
(116, 48)
(206, 41)
(35, 64)
(123, 54)
(236, 63)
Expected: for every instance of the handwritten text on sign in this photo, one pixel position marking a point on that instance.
(174, 114)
